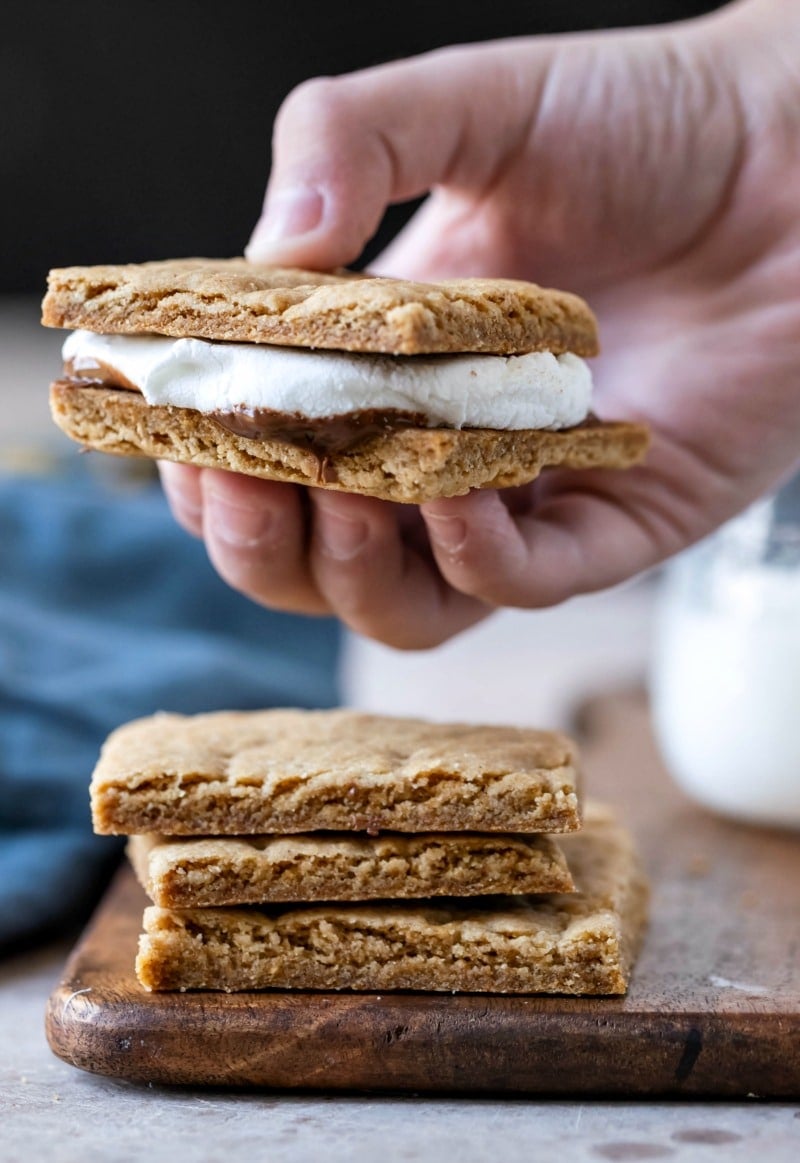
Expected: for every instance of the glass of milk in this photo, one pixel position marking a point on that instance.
(725, 682)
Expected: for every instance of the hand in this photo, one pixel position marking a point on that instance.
(657, 172)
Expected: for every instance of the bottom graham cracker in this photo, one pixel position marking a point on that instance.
(409, 466)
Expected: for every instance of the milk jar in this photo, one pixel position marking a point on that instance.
(726, 671)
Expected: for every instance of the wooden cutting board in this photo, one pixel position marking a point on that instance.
(713, 1009)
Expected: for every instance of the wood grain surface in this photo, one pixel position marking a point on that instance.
(713, 1009)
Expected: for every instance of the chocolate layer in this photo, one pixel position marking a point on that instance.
(102, 375)
(324, 436)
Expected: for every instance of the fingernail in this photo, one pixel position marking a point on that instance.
(340, 537)
(238, 526)
(448, 532)
(288, 214)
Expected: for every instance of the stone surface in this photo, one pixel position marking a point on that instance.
(48, 1109)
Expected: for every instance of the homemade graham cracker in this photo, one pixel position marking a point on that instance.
(203, 873)
(408, 465)
(234, 300)
(289, 771)
(581, 943)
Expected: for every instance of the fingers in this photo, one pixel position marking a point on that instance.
(369, 563)
(451, 236)
(375, 578)
(318, 552)
(413, 578)
(181, 483)
(581, 537)
(345, 147)
(255, 533)
(482, 550)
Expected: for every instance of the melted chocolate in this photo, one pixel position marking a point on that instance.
(100, 374)
(323, 437)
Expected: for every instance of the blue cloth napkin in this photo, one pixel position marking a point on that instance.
(109, 611)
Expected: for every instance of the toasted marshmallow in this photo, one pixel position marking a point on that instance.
(536, 390)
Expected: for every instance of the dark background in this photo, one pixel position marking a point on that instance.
(138, 131)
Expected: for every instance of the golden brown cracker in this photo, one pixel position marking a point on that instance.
(194, 872)
(231, 299)
(410, 465)
(289, 771)
(580, 943)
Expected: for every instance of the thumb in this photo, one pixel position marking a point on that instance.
(344, 148)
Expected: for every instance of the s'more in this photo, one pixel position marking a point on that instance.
(405, 391)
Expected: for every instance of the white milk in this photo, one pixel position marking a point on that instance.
(726, 681)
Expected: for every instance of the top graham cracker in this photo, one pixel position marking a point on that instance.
(290, 771)
(231, 299)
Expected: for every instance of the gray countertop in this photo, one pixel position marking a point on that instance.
(527, 668)
(49, 1110)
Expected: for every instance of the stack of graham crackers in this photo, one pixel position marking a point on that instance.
(336, 850)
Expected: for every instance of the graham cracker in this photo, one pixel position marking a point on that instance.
(228, 870)
(231, 299)
(409, 465)
(289, 771)
(580, 943)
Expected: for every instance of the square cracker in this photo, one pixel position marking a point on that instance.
(233, 300)
(581, 943)
(194, 872)
(288, 771)
(409, 465)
